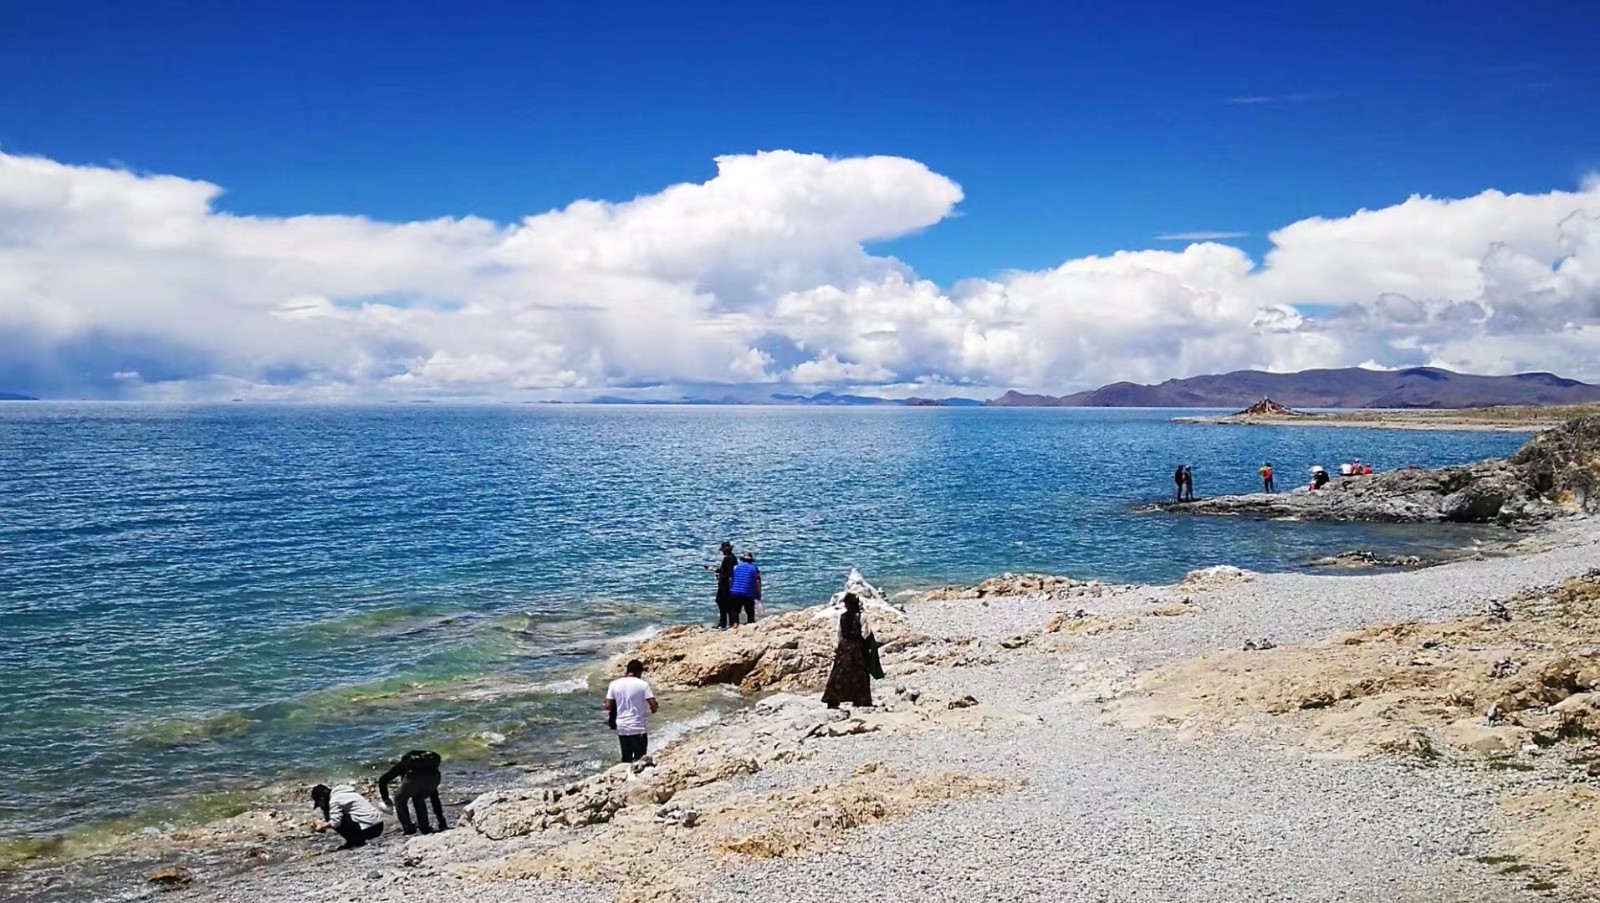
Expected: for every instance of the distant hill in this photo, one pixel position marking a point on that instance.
(16, 396)
(821, 399)
(830, 398)
(1351, 387)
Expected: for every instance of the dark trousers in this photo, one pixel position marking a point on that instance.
(634, 746)
(355, 834)
(724, 607)
(1266, 485)
(417, 791)
(745, 603)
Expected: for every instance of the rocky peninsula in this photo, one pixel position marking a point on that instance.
(1496, 418)
(1555, 474)
(1424, 735)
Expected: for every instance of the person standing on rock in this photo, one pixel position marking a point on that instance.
(744, 590)
(724, 572)
(850, 681)
(1177, 484)
(1188, 483)
(1266, 478)
(627, 699)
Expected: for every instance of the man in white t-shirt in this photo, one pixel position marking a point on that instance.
(626, 700)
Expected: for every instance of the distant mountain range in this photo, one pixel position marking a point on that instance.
(16, 396)
(821, 399)
(1351, 387)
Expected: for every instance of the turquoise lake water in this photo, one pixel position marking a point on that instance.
(203, 599)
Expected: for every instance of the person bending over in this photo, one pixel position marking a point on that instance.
(627, 699)
(347, 813)
(418, 771)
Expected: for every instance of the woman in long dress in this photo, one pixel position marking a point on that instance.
(849, 680)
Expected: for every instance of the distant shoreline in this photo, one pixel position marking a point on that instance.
(1503, 419)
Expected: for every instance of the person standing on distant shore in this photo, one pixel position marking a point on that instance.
(744, 590)
(1188, 483)
(1266, 478)
(724, 572)
(627, 699)
(1177, 484)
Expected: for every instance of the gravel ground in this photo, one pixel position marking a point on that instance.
(1105, 814)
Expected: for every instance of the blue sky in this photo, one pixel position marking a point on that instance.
(1073, 128)
(278, 200)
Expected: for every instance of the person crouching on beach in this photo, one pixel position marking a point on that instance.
(850, 680)
(627, 699)
(744, 590)
(347, 813)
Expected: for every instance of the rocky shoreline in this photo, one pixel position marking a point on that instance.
(1040, 737)
(1496, 419)
(1555, 474)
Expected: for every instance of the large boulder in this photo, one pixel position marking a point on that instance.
(1563, 463)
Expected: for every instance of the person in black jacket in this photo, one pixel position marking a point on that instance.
(418, 771)
(724, 572)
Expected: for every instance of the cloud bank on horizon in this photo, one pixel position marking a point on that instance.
(121, 284)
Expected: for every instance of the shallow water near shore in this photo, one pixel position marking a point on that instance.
(197, 602)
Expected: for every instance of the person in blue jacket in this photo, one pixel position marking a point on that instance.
(744, 589)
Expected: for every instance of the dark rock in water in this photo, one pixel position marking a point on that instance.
(1365, 558)
(1556, 472)
(171, 877)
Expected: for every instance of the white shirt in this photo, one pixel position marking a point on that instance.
(628, 695)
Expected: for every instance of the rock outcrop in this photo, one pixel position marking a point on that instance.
(1555, 473)
(1266, 407)
(1009, 585)
(1366, 558)
(1563, 464)
(791, 651)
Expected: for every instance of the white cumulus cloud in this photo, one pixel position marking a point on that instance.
(122, 284)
